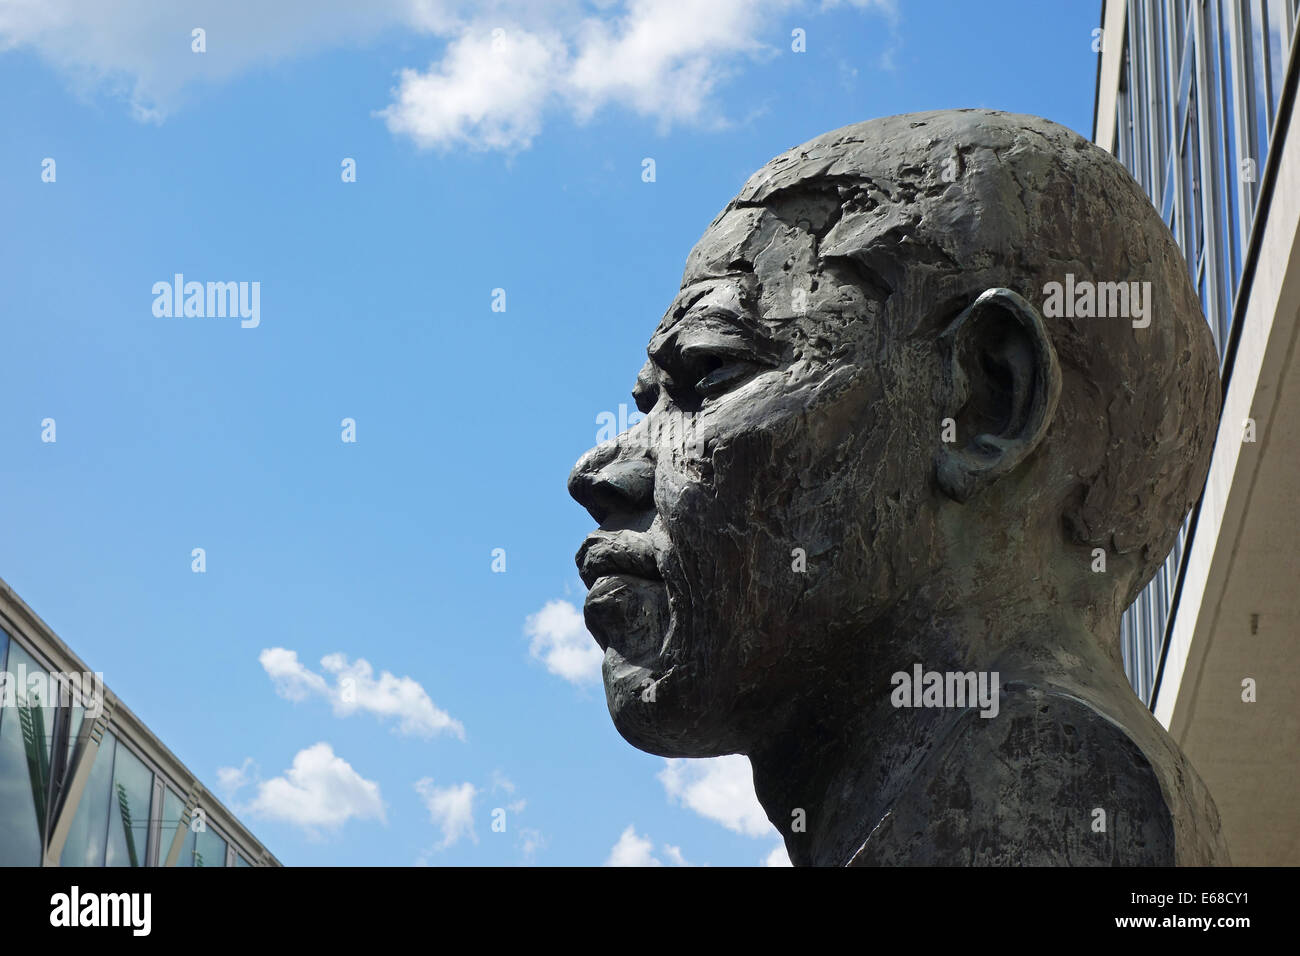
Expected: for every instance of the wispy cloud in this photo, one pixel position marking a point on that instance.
(450, 808)
(356, 689)
(635, 850)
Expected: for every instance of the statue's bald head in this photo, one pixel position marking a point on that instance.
(930, 210)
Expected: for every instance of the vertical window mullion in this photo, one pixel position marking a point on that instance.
(1264, 71)
(1243, 118)
(1152, 101)
(1208, 198)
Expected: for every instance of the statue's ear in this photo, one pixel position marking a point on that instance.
(1002, 383)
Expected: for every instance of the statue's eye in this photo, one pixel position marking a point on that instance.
(695, 364)
(723, 378)
(712, 367)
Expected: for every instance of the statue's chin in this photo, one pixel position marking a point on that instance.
(632, 694)
(657, 729)
(648, 696)
(655, 709)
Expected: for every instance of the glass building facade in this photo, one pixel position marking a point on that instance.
(82, 782)
(1200, 89)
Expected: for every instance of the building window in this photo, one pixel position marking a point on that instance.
(111, 827)
(172, 808)
(202, 848)
(88, 835)
(26, 729)
(20, 832)
(128, 816)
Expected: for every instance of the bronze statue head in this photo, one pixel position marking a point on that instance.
(922, 373)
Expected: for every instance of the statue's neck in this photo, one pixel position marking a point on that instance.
(824, 786)
(834, 772)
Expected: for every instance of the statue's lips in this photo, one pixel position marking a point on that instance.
(616, 552)
(627, 605)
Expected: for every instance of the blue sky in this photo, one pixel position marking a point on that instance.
(483, 161)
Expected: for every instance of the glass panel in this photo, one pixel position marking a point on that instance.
(1215, 185)
(240, 861)
(24, 758)
(203, 849)
(1177, 28)
(1245, 109)
(173, 807)
(1167, 203)
(89, 832)
(1277, 50)
(1184, 76)
(1232, 169)
(188, 847)
(1157, 78)
(209, 849)
(1167, 38)
(128, 821)
(1262, 80)
(1138, 94)
(74, 728)
(1192, 184)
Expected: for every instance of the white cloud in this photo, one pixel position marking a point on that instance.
(674, 854)
(503, 783)
(530, 841)
(141, 49)
(320, 790)
(778, 857)
(634, 850)
(356, 689)
(233, 779)
(450, 808)
(658, 58)
(560, 640)
(719, 789)
(292, 680)
(663, 58)
(486, 93)
(504, 66)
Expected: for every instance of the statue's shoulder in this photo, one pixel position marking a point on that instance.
(1049, 780)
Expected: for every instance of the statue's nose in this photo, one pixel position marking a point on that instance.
(606, 482)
